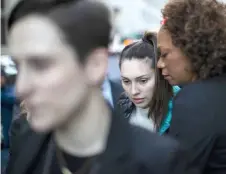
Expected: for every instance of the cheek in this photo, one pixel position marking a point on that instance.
(148, 88)
(126, 88)
(59, 85)
(174, 63)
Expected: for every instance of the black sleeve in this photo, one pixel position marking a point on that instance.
(18, 128)
(177, 163)
(192, 125)
(174, 160)
(164, 155)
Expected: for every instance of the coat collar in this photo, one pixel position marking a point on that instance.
(126, 105)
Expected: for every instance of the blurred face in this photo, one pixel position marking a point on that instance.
(138, 80)
(175, 67)
(50, 78)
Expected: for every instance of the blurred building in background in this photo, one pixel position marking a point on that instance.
(137, 15)
(130, 16)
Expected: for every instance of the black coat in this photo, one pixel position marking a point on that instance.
(199, 123)
(130, 150)
(125, 105)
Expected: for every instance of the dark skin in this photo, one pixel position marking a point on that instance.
(175, 66)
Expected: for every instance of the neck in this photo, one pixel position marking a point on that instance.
(142, 111)
(86, 134)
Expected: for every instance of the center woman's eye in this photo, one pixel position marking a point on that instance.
(125, 81)
(143, 81)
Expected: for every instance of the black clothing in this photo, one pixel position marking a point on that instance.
(73, 163)
(130, 150)
(199, 123)
(126, 105)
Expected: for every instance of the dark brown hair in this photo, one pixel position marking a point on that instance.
(198, 28)
(162, 93)
(145, 48)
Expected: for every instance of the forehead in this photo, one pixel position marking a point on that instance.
(34, 35)
(164, 39)
(136, 67)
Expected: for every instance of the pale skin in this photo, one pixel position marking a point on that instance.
(138, 80)
(62, 96)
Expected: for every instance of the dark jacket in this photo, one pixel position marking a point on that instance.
(130, 150)
(126, 105)
(199, 122)
(8, 100)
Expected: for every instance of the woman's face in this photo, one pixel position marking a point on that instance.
(175, 67)
(138, 80)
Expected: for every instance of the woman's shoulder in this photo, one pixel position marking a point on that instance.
(203, 99)
(125, 105)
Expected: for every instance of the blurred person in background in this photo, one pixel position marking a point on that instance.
(61, 51)
(8, 100)
(138, 65)
(111, 90)
(192, 46)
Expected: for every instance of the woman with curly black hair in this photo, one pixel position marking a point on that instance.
(192, 47)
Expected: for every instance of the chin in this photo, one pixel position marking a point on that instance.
(41, 126)
(173, 83)
(141, 105)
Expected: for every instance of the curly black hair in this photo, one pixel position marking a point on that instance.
(198, 28)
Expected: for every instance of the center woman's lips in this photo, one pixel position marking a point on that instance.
(138, 100)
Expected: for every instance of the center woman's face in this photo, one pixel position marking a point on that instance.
(138, 80)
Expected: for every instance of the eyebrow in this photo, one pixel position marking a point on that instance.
(159, 47)
(143, 76)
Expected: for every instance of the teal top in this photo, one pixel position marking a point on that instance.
(166, 123)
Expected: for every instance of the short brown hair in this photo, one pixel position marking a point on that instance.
(86, 24)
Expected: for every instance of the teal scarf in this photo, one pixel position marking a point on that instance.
(166, 123)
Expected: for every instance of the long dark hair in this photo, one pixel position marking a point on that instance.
(162, 93)
(142, 49)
